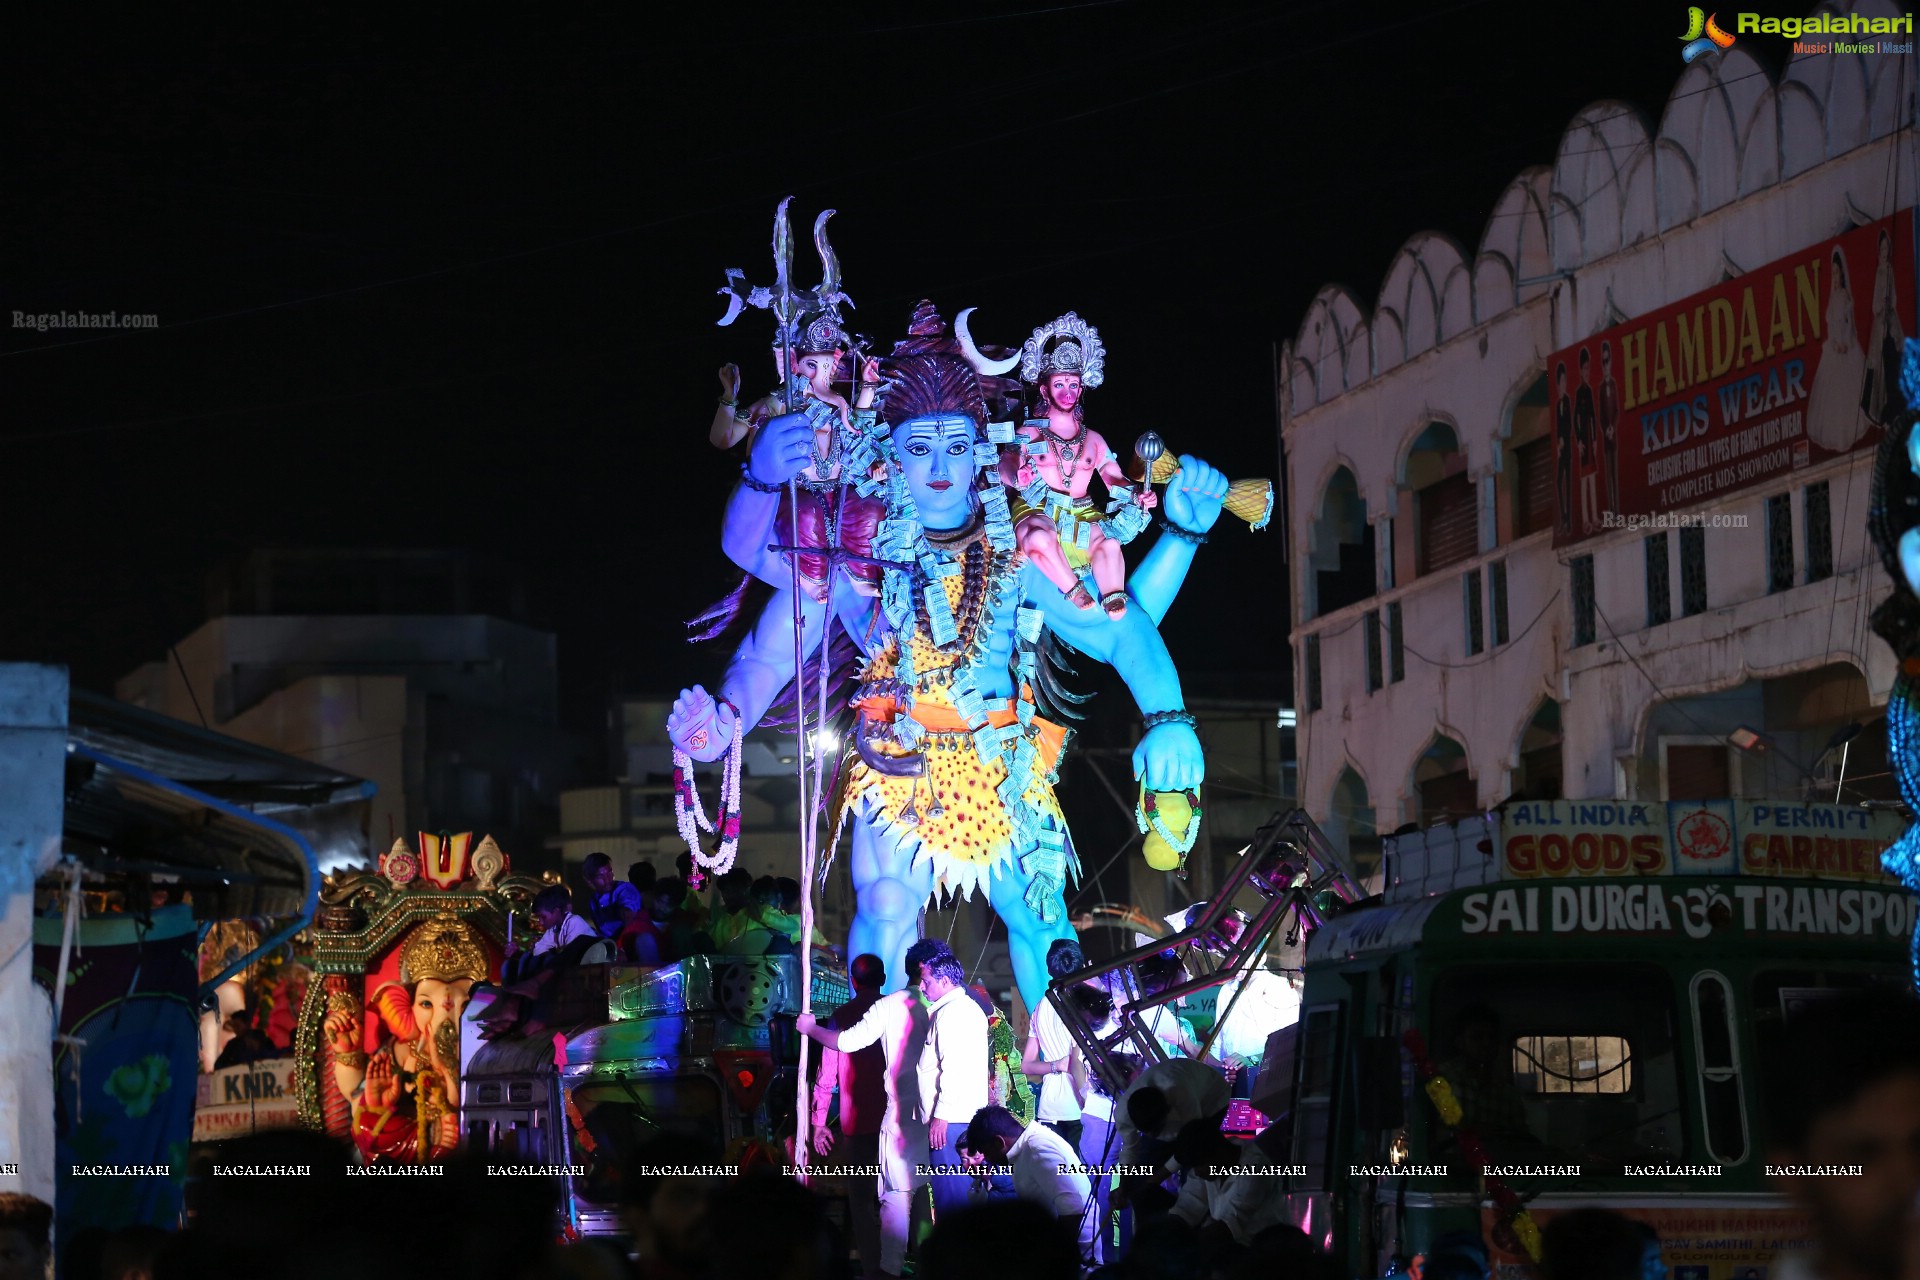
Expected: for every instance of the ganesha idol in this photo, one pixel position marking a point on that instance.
(405, 1094)
(398, 954)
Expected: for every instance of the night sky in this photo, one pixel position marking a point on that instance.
(425, 280)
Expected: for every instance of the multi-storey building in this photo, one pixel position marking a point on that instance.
(1582, 513)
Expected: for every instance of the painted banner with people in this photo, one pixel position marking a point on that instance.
(1778, 370)
(1697, 1242)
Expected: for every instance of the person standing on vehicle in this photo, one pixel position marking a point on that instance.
(860, 1078)
(898, 1024)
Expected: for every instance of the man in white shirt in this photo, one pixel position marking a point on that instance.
(1230, 1194)
(898, 1024)
(557, 928)
(554, 917)
(1269, 1003)
(1162, 1101)
(1045, 1169)
(953, 1073)
(1051, 1052)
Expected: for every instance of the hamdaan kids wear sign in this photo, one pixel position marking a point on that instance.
(1739, 385)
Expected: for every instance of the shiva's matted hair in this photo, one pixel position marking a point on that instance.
(930, 372)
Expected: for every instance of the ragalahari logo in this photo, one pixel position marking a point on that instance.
(1697, 43)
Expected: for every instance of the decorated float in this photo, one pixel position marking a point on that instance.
(396, 955)
(407, 1046)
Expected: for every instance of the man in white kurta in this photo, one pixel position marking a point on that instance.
(898, 1024)
(1169, 1096)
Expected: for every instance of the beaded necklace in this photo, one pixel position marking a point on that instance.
(977, 570)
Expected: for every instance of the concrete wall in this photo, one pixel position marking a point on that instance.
(452, 717)
(33, 739)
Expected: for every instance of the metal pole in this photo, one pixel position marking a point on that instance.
(1840, 785)
(783, 266)
(802, 1111)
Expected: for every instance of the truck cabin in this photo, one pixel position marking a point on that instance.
(1606, 1029)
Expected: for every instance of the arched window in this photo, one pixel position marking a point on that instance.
(1351, 824)
(1446, 790)
(1341, 561)
(1526, 472)
(1540, 774)
(1445, 515)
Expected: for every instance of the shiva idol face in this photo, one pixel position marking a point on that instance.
(936, 456)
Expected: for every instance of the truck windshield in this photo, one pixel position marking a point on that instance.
(1562, 1064)
(1780, 994)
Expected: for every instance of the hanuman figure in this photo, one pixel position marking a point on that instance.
(1060, 526)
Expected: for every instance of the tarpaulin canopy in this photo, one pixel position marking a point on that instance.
(242, 826)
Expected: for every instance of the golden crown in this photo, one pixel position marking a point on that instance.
(445, 949)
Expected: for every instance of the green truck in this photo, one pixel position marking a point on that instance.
(1604, 983)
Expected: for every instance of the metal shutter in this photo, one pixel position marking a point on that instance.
(1533, 496)
(1449, 527)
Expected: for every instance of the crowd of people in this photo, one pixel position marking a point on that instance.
(650, 919)
(905, 1087)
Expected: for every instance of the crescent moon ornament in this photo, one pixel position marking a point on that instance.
(979, 362)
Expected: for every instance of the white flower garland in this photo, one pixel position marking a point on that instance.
(690, 816)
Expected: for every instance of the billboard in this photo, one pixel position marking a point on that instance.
(1780, 369)
(247, 1099)
(1587, 839)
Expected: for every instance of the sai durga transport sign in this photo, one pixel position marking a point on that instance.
(1780, 369)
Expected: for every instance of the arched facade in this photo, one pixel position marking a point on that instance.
(1740, 168)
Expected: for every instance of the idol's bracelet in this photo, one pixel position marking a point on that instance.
(351, 1058)
(747, 478)
(1185, 535)
(1154, 719)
